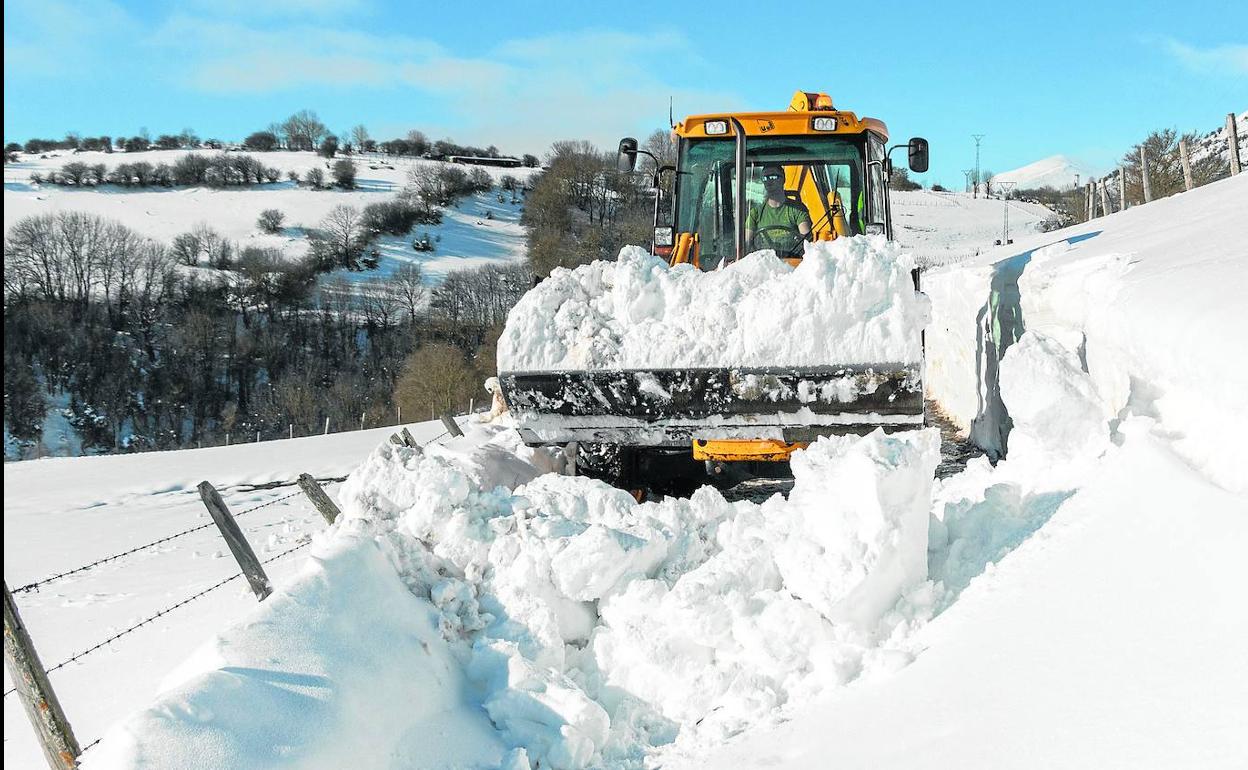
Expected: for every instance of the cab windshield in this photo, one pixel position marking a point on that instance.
(823, 190)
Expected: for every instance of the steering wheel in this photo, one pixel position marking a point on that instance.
(763, 238)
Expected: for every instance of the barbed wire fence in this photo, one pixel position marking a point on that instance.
(114, 557)
(19, 649)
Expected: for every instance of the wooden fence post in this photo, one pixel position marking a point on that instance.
(1122, 189)
(1148, 188)
(1107, 209)
(452, 427)
(1232, 131)
(60, 747)
(234, 538)
(326, 426)
(318, 497)
(1087, 201)
(1187, 166)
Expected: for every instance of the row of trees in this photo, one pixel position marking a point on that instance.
(301, 131)
(138, 143)
(305, 131)
(191, 169)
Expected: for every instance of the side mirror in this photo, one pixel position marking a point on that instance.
(627, 160)
(918, 155)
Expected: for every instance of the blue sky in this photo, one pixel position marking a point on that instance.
(1085, 79)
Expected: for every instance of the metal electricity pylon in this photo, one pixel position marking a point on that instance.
(977, 138)
(1005, 188)
(968, 172)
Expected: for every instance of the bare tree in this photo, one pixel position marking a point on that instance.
(409, 283)
(381, 303)
(662, 145)
(303, 130)
(341, 239)
(419, 142)
(359, 137)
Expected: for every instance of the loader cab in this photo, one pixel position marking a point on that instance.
(834, 165)
(828, 177)
(838, 180)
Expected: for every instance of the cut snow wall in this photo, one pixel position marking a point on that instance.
(1151, 300)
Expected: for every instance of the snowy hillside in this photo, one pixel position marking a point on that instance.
(467, 237)
(1077, 604)
(1058, 172)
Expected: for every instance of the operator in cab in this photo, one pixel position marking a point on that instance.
(777, 222)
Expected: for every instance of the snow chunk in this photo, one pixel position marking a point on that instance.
(1055, 407)
(849, 301)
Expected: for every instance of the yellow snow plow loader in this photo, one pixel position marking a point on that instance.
(666, 427)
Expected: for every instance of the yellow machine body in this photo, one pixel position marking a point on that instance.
(797, 120)
(744, 450)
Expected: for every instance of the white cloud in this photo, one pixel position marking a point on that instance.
(1229, 59)
(47, 38)
(521, 93)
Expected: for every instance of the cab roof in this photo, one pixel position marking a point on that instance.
(798, 120)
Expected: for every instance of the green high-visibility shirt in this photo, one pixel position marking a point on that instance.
(787, 214)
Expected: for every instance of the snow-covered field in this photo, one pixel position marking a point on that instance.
(1079, 604)
(941, 228)
(467, 237)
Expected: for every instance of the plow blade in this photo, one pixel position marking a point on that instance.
(672, 407)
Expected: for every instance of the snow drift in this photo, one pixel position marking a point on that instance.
(849, 301)
(588, 628)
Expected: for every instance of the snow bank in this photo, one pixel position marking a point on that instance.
(849, 301)
(597, 627)
(345, 668)
(1149, 301)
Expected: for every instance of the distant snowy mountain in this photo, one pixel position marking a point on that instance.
(1058, 172)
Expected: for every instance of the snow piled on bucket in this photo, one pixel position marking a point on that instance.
(596, 628)
(849, 301)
